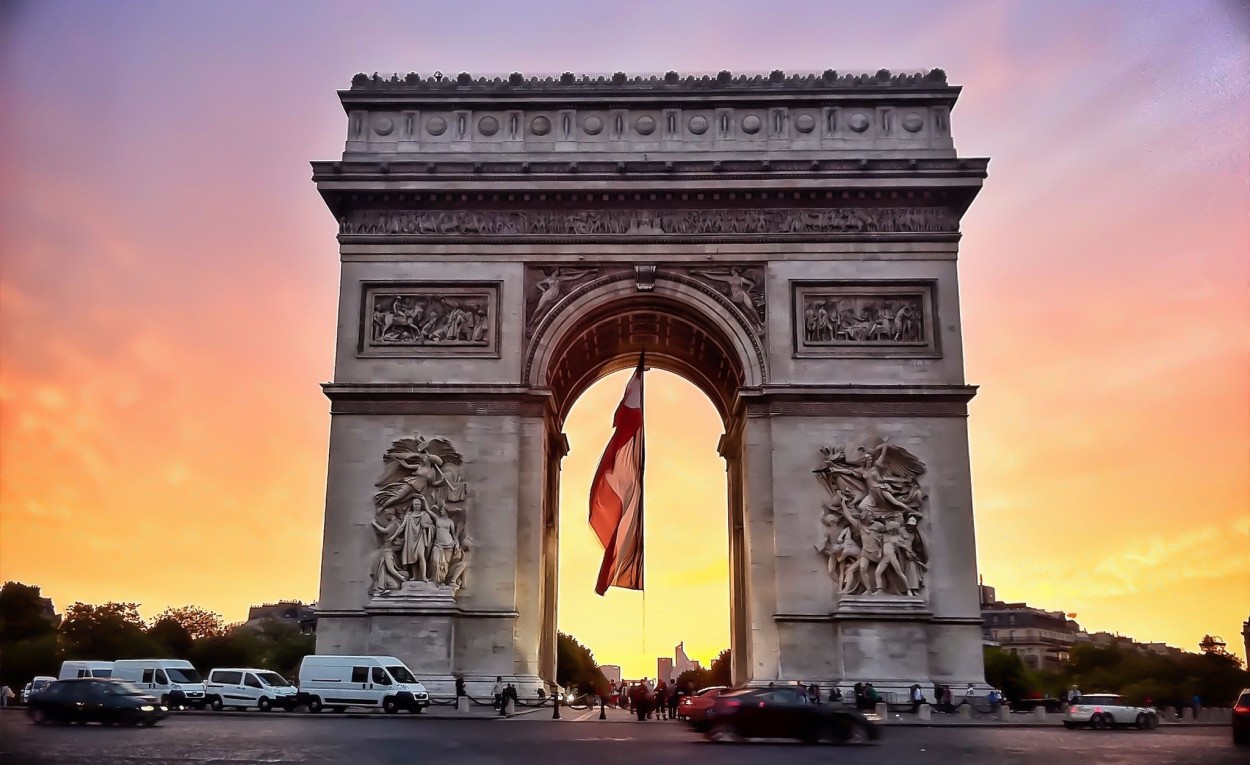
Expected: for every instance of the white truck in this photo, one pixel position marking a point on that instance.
(380, 682)
(244, 687)
(71, 670)
(174, 681)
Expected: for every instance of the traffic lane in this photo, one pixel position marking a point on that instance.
(208, 739)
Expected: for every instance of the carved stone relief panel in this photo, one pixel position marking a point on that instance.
(547, 285)
(417, 319)
(871, 533)
(644, 223)
(864, 318)
(743, 285)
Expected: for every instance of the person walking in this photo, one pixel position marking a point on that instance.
(674, 699)
(661, 701)
(813, 694)
(970, 693)
(859, 696)
(497, 691)
(6, 696)
(917, 698)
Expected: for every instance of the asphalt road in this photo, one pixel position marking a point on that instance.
(205, 738)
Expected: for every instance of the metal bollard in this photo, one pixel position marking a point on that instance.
(603, 709)
(1039, 714)
(555, 708)
(883, 711)
(509, 707)
(462, 704)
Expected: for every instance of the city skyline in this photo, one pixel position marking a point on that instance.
(170, 279)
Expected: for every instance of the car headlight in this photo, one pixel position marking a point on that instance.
(147, 708)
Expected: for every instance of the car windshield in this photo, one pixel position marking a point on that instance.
(1244, 701)
(274, 679)
(737, 692)
(179, 675)
(710, 691)
(37, 684)
(118, 689)
(401, 674)
(1110, 700)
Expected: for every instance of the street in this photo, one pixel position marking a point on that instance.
(277, 738)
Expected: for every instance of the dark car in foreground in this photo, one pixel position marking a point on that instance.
(784, 712)
(1241, 719)
(110, 702)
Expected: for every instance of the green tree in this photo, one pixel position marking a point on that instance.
(576, 667)
(695, 679)
(107, 631)
(721, 671)
(1006, 671)
(170, 635)
(198, 622)
(22, 613)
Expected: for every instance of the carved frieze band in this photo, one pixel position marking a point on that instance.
(643, 223)
(918, 408)
(864, 318)
(420, 319)
(438, 407)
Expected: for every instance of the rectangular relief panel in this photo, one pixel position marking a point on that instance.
(859, 318)
(426, 319)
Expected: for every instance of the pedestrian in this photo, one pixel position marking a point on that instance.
(6, 696)
(1197, 704)
(1074, 695)
(948, 698)
(917, 698)
(969, 694)
(661, 701)
(813, 694)
(674, 700)
(497, 691)
(994, 698)
(636, 692)
(836, 694)
(859, 696)
(870, 696)
(460, 687)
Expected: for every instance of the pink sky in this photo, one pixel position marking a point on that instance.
(169, 276)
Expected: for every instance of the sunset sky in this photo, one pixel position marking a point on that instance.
(169, 278)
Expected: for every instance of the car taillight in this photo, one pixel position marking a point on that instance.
(1097, 710)
(731, 702)
(1241, 709)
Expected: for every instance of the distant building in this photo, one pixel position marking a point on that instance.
(682, 662)
(612, 672)
(664, 669)
(293, 612)
(1245, 637)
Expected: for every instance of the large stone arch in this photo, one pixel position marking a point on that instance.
(787, 243)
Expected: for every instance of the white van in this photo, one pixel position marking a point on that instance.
(174, 681)
(339, 682)
(75, 669)
(244, 687)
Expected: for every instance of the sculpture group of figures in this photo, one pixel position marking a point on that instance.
(871, 530)
(430, 320)
(832, 220)
(419, 517)
(854, 320)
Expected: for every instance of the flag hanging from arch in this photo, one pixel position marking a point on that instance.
(616, 494)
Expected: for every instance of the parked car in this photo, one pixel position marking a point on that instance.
(36, 686)
(75, 669)
(1241, 718)
(174, 681)
(783, 713)
(249, 687)
(696, 706)
(1103, 711)
(111, 702)
(381, 682)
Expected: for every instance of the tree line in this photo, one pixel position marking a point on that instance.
(33, 644)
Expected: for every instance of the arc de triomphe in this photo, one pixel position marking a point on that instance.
(787, 243)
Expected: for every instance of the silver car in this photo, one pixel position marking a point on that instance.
(1103, 711)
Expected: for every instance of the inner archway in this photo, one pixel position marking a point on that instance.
(682, 330)
(685, 537)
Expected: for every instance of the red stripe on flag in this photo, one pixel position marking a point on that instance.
(616, 495)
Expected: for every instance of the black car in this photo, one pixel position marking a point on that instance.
(1241, 718)
(783, 713)
(111, 702)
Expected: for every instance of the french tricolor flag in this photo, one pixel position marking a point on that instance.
(616, 494)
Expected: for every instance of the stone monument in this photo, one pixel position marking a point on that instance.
(788, 243)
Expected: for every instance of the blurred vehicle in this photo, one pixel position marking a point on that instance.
(111, 702)
(75, 669)
(35, 686)
(363, 681)
(1103, 711)
(249, 687)
(696, 706)
(1241, 719)
(783, 713)
(174, 681)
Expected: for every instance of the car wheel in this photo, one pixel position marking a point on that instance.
(417, 710)
(37, 716)
(149, 723)
(1100, 722)
(1154, 721)
(264, 704)
(1241, 737)
(858, 734)
(215, 704)
(1069, 725)
(722, 733)
(390, 706)
(1143, 721)
(338, 709)
(315, 705)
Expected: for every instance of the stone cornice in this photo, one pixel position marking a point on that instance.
(856, 401)
(436, 399)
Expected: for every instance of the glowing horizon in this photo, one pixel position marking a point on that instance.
(169, 279)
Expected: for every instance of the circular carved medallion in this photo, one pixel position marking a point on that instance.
(697, 124)
(645, 125)
(488, 126)
(913, 122)
(858, 122)
(436, 126)
(751, 124)
(805, 123)
(592, 125)
(383, 126)
(540, 125)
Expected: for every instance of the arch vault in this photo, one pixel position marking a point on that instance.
(788, 244)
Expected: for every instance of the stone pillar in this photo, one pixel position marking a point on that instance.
(925, 713)
(1187, 714)
(462, 705)
(883, 711)
(1003, 713)
(965, 712)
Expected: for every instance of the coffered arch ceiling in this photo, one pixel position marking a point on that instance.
(673, 335)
